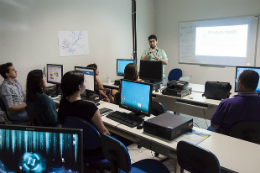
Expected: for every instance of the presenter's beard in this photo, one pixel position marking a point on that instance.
(152, 47)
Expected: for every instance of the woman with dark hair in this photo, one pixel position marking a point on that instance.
(131, 72)
(38, 101)
(72, 85)
(107, 95)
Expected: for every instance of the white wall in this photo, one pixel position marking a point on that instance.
(29, 33)
(170, 12)
(145, 19)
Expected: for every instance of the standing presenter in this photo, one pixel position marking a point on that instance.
(155, 54)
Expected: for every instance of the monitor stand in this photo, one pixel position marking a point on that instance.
(57, 91)
(156, 85)
(89, 96)
(137, 114)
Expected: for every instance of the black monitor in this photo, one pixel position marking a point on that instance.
(54, 75)
(121, 64)
(151, 70)
(40, 149)
(136, 97)
(240, 69)
(89, 79)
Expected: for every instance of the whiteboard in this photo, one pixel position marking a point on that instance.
(190, 51)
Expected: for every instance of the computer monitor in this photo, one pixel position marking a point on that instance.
(89, 78)
(136, 97)
(40, 149)
(240, 69)
(121, 64)
(151, 70)
(54, 75)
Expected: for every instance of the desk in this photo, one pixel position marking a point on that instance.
(234, 154)
(198, 106)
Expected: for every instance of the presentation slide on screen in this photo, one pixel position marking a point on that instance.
(121, 64)
(240, 70)
(54, 74)
(88, 78)
(135, 96)
(228, 41)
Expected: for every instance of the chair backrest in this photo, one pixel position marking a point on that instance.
(196, 159)
(157, 108)
(2, 106)
(34, 117)
(249, 131)
(117, 96)
(91, 136)
(175, 74)
(116, 152)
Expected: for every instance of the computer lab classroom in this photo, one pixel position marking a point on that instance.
(129, 86)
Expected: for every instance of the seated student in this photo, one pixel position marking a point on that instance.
(72, 85)
(243, 107)
(106, 94)
(38, 101)
(131, 73)
(12, 94)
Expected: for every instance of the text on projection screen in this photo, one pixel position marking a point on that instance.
(228, 41)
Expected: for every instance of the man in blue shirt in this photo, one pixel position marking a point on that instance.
(245, 106)
(12, 94)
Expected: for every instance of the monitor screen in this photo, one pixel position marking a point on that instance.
(241, 69)
(151, 70)
(54, 73)
(89, 77)
(38, 149)
(136, 96)
(121, 64)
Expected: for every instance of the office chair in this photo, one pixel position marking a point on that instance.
(91, 140)
(195, 159)
(116, 152)
(175, 74)
(249, 131)
(157, 108)
(36, 120)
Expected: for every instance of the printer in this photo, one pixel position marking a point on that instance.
(168, 126)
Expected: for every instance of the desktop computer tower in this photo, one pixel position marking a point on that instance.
(168, 126)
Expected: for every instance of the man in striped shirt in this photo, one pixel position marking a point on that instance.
(12, 94)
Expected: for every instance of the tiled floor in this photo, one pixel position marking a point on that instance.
(142, 153)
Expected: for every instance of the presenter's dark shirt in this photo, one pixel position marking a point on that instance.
(82, 108)
(242, 107)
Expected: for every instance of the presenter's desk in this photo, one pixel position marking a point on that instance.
(194, 104)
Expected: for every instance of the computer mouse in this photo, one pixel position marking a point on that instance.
(140, 126)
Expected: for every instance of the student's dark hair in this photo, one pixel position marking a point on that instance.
(152, 37)
(249, 79)
(130, 72)
(92, 65)
(34, 84)
(4, 69)
(70, 82)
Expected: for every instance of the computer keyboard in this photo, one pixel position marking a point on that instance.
(126, 119)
